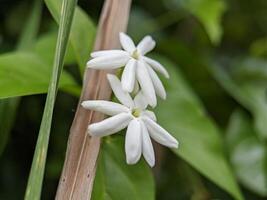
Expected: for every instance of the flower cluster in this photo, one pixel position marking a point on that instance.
(140, 80)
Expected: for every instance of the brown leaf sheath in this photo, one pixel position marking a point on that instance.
(79, 168)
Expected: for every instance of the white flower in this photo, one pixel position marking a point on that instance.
(138, 67)
(132, 113)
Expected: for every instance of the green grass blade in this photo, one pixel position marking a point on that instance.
(30, 31)
(7, 116)
(82, 32)
(38, 165)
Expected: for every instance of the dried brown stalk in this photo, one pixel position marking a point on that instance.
(79, 169)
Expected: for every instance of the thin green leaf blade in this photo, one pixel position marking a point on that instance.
(34, 186)
(31, 27)
(200, 142)
(82, 32)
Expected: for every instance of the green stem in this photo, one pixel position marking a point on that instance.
(34, 187)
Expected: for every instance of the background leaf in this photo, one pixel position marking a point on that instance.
(259, 47)
(8, 107)
(209, 13)
(200, 142)
(117, 180)
(28, 75)
(35, 181)
(250, 92)
(247, 153)
(45, 47)
(31, 28)
(7, 115)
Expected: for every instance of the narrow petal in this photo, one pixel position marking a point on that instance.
(133, 142)
(127, 43)
(157, 66)
(146, 45)
(108, 62)
(110, 125)
(146, 84)
(159, 134)
(147, 147)
(159, 88)
(128, 76)
(106, 107)
(109, 53)
(122, 96)
(140, 101)
(150, 114)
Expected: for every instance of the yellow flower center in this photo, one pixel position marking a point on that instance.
(136, 112)
(135, 54)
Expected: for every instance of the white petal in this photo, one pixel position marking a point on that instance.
(147, 147)
(133, 142)
(109, 53)
(110, 125)
(159, 134)
(127, 43)
(159, 88)
(128, 76)
(140, 101)
(108, 62)
(146, 45)
(146, 84)
(149, 114)
(106, 107)
(157, 66)
(122, 96)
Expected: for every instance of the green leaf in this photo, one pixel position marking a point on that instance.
(31, 27)
(8, 107)
(250, 69)
(251, 92)
(34, 186)
(116, 180)
(184, 117)
(82, 32)
(259, 47)
(25, 74)
(247, 153)
(209, 13)
(45, 47)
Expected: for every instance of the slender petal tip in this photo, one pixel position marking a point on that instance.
(175, 144)
(83, 104)
(127, 43)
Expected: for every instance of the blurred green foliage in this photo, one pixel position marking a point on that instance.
(215, 51)
(247, 153)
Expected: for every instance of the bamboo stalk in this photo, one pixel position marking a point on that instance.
(79, 168)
